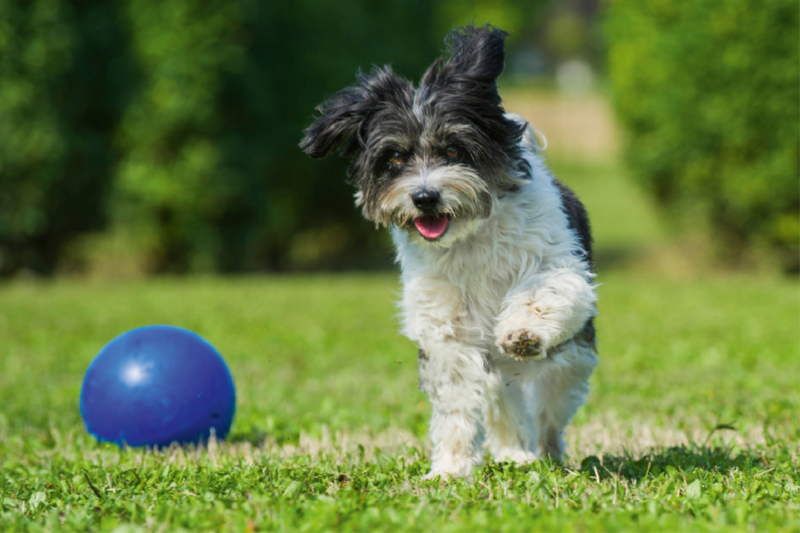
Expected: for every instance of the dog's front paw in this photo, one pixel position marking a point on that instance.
(514, 455)
(448, 468)
(523, 345)
(446, 475)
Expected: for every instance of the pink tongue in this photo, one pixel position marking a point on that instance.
(431, 227)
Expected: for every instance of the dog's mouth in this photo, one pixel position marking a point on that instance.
(432, 227)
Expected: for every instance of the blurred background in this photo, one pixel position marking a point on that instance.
(142, 137)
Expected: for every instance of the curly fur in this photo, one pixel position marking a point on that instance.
(501, 303)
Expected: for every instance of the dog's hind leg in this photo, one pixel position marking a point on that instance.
(558, 390)
(510, 435)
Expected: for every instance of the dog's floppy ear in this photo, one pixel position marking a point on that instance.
(342, 115)
(476, 59)
(348, 111)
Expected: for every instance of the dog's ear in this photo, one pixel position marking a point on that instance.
(346, 114)
(463, 85)
(342, 116)
(476, 59)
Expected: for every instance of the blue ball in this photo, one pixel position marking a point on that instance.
(156, 385)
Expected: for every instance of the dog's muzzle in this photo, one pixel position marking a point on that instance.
(432, 225)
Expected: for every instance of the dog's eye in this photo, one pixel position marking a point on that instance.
(397, 158)
(452, 152)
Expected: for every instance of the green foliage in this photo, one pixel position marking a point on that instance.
(512, 16)
(63, 84)
(212, 167)
(170, 182)
(308, 353)
(181, 121)
(708, 91)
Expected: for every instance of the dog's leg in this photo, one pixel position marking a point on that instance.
(452, 376)
(510, 433)
(559, 389)
(452, 370)
(549, 308)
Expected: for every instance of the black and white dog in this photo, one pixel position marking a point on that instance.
(495, 252)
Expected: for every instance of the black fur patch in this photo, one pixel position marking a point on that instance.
(578, 219)
(346, 113)
(587, 334)
(579, 222)
(463, 88)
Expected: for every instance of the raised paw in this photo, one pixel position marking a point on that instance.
(522, 345)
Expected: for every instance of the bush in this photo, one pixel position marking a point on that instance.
(64, 79)
(708, 92)
(212, 171)
(179, 121)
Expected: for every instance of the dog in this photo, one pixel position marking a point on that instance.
(495, 253)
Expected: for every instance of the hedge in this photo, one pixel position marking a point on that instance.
(708, 93)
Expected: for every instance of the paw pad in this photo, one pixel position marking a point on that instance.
(522, 345)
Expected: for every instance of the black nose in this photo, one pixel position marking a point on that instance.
(426, 199)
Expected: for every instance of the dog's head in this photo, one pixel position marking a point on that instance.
(433, 159)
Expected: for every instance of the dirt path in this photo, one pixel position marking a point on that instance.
(573, 126)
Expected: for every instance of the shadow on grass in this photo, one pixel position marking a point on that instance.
(257, 437)
(683, 459)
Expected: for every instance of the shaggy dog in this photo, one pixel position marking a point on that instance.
(495, 252)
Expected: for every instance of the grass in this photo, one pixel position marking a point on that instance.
(691, 424)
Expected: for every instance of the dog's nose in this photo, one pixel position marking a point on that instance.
(426, 199)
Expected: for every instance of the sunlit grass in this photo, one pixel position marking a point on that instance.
(320, 369)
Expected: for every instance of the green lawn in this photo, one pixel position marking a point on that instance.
(330, 427)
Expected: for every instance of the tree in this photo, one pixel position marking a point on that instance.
(64, 80)
(708, 91)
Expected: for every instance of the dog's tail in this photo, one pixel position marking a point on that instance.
(532, 139)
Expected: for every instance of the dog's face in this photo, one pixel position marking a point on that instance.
(431, 160)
